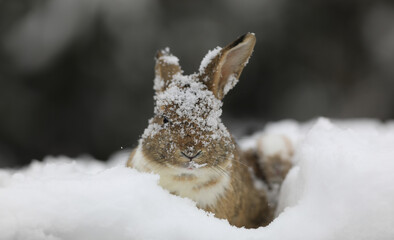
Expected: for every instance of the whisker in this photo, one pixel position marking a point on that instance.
(228, 174)
(242, 163)
(224, 171)
(219, 172)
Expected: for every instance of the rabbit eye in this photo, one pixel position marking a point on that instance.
(165, 120)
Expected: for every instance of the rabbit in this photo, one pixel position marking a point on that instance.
(187, 144)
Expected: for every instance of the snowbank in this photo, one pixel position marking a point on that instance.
(342, 187)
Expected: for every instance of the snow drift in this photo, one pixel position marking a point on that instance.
(341, 187)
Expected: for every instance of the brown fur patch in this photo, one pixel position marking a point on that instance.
(208, 184)
(185, 177)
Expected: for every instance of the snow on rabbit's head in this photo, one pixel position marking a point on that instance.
(187, 131)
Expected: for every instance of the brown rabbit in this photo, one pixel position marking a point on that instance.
(189, 147)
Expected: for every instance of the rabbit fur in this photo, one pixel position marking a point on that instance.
(187, 144)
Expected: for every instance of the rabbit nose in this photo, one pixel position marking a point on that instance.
(191, 156)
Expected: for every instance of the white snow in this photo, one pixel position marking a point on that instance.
(208, 58)
(168, 57)
(151, 130)
(231, 82)
(188, 101)
(341, 187)
(193, 164)
(158, 83)
(273, 145)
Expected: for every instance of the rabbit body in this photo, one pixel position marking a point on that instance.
(230, 196)
(189, 147)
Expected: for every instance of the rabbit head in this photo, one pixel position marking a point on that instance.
(186, 131)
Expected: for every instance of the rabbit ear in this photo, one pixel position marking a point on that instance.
(223, 70)
(167, 65)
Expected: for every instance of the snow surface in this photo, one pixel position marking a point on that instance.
(341, 187)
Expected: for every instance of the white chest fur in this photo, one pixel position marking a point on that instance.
(204, 185)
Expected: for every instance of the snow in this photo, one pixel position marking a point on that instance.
(171, 59)
(188, 102)
(193, 164)
(158, 83)
(208, 58)
(232, 81)
(341, 187)
(168, 57)
(151, 130)
(273, 145)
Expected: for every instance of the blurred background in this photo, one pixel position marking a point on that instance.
(76, 76)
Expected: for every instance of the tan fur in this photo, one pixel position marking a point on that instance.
(201, 185)
(214, 173)
(243, 204)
